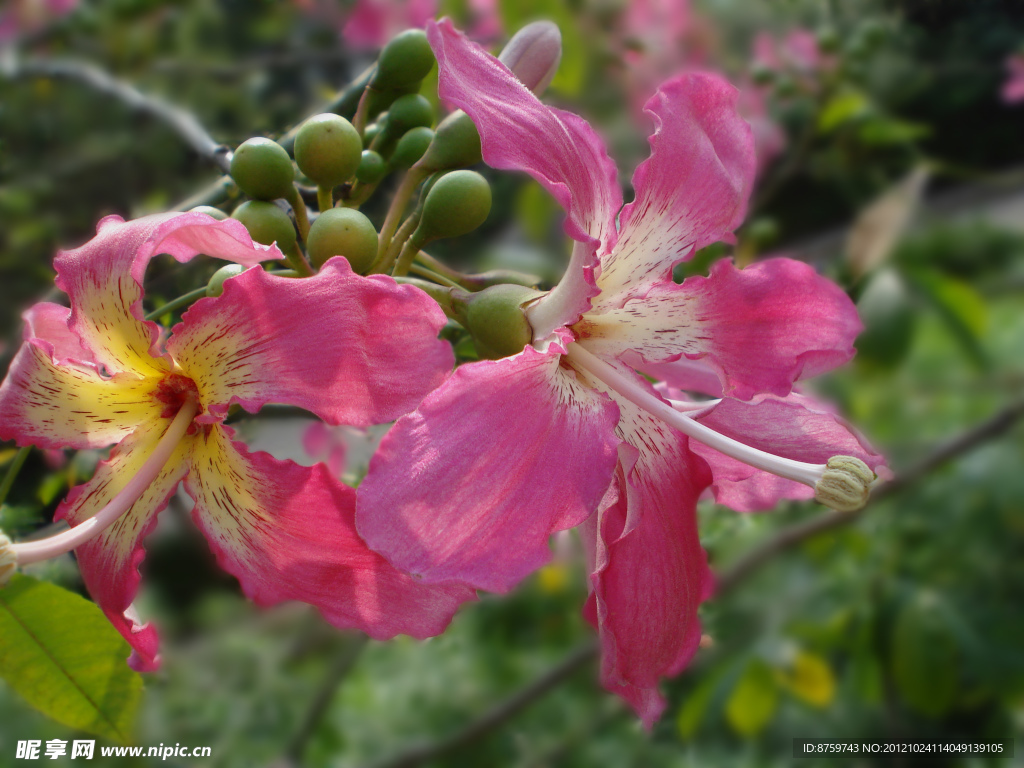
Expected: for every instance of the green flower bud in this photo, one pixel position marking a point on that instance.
(371, 167)
(216, 285)
(343, 232)
(379, 100)
(405, 60)
(410, 111)
(457, 203)
(262, 169)
(328, 149)
(266, 224)
(411, 147)
(209, 210)
(496, 320)
(456, 144)
(371, 133)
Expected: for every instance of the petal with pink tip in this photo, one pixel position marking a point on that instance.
(54, 397)
(351, 349)
(650, 573)
(691, 191)
(557, 148)
(471, 485)
(287, 532)
(795, 427)
(103, 279)
(761, 328)
(109, 563)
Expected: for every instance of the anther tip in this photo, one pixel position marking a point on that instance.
(845, 485)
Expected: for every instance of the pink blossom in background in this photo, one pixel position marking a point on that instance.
(1013, 88)
(98, 374)
(22, 16)
(371, 23)
(797, 54)
(468, 488)
(769, 138)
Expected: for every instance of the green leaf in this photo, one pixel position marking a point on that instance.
(842, 108)
(753, 701)
(59, 652)
(925, 657)
(960, 307)
(691, 715)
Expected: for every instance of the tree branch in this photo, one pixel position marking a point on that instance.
(178, 120)
(497, 715)
(790, 537)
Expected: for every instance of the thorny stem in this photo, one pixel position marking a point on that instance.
(801, 472)
(35, 551)
(12, 471)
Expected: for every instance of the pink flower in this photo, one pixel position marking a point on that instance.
(373, 22)
(21, 16)
(1013, 88)
(98, 374)
(468, 488)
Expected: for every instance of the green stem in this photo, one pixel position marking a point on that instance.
(409, 251)
(410, 181)
(12, 471)
(404, 233)
(175, 304)
(298, 262)
(359, 119)
(416, 269)
(301, 215)
(324, 198)
(440, 294)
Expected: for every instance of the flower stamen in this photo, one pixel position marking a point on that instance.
(844, 481)
(35, 551)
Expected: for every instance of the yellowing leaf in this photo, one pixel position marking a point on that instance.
(880, 226)
(753, 701)
(810, 679)
(553, 578)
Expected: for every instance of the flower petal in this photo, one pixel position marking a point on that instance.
(54, 397)
(761, 328)
(650, 573)
(795, 427)
(471, 485)
(351, 349)
(691, 191)
(103, 279)
(557, 148)
(288, 533)
(109, 563)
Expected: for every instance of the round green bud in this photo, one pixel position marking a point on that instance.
(262, 169)
(405, 60)
(411, 147)
(371, 167)
(328, 149)
(216, 285)
(343, 232)
(266, 224)
(456, 144)
(457, 203)
(410, 111)
(209, 210)
(496, 320)
(370, 133)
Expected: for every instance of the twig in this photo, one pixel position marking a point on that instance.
(343, 663)
(12, 471)
(181, 122)
(497, 715)
(789, 537)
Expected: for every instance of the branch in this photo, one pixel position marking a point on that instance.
(343, 663)
(178, 120)
(790, 537)
(497, 715)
